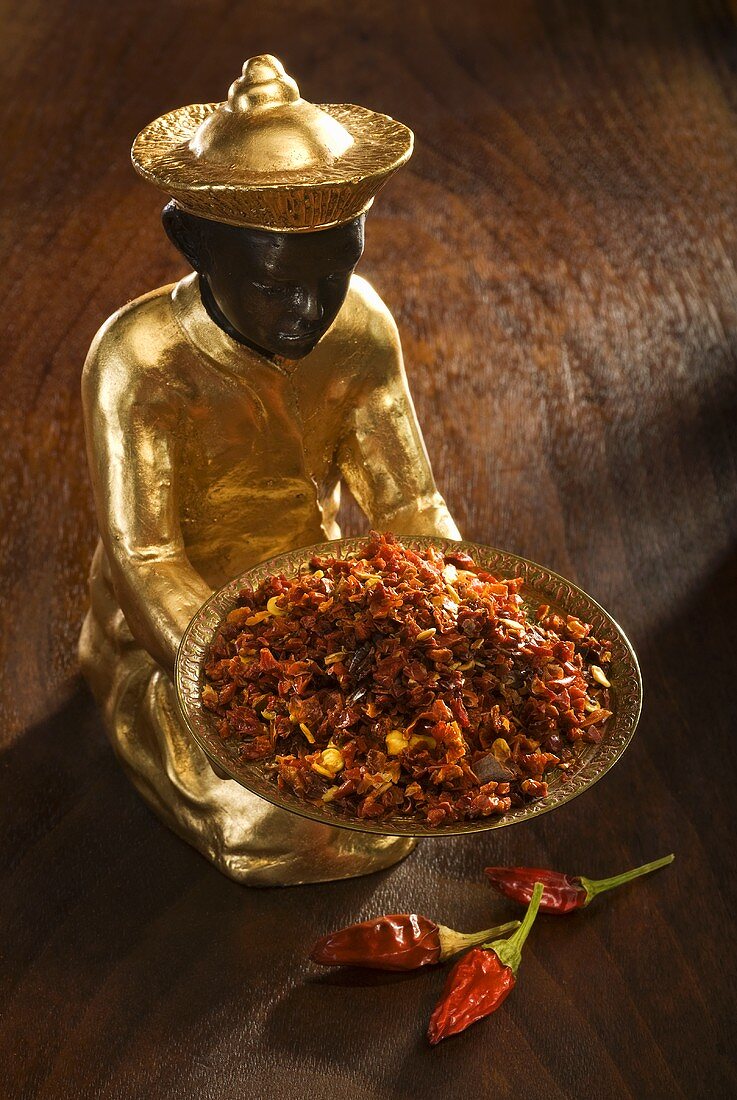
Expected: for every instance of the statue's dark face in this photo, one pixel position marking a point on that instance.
(277, 292)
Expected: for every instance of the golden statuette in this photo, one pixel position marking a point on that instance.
(222, 415)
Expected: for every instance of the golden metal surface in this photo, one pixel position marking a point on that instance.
(540, 586)
(268, 159)
(206, 458)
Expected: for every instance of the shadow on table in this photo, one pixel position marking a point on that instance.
(121, 945)
(75, 831)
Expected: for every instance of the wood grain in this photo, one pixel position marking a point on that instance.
(560, 256)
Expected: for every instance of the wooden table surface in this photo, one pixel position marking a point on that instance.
(560, 257)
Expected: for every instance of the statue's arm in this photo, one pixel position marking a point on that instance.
(130, 423)
(382, 456)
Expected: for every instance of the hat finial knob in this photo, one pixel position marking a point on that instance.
(264, 84)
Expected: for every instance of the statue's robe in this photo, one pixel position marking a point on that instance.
(207, 458)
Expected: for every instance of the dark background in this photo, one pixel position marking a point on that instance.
(560, 257)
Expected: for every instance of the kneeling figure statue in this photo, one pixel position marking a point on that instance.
(222, 414)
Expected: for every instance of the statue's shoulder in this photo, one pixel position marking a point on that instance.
(136, 337)
(365, 314)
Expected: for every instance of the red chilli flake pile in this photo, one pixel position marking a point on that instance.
(405, 684)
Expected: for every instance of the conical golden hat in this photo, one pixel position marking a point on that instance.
(267, 158)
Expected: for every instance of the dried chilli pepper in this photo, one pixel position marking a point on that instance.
(481, 980)
(397, 941)
(561, 893)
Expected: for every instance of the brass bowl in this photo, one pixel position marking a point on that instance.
(540, 586)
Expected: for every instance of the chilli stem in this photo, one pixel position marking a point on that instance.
(598, 886)
(510, 950)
